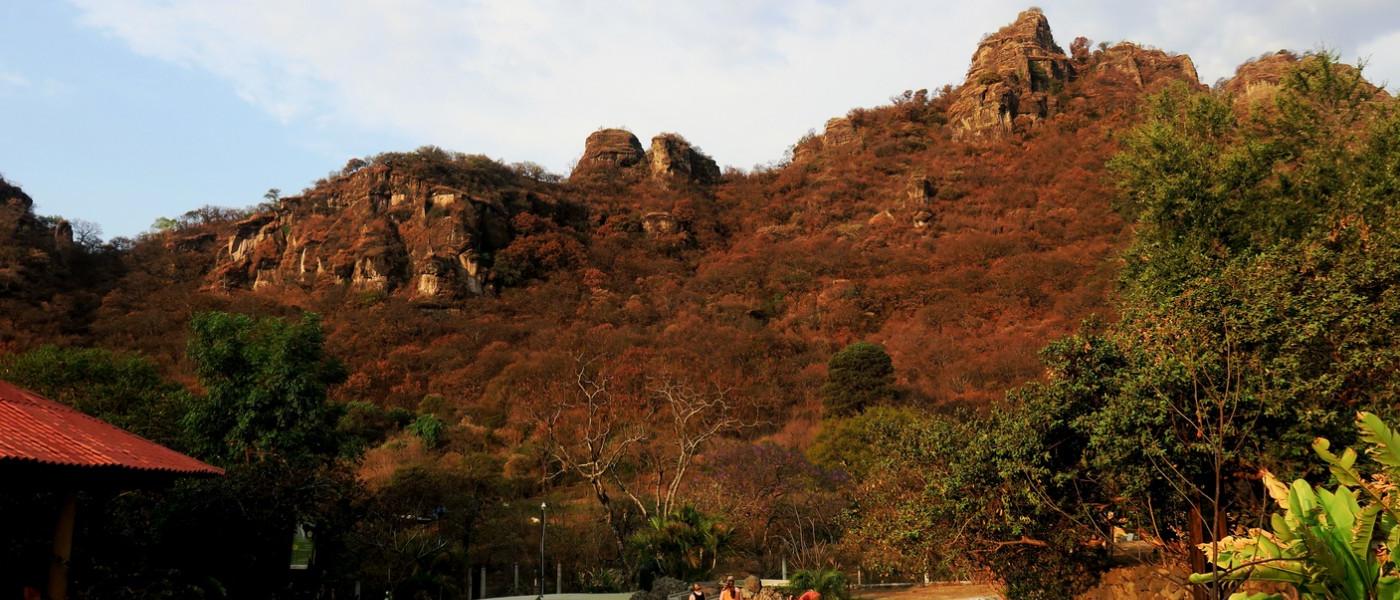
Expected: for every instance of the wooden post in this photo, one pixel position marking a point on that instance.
(558, 578)
(62, 547)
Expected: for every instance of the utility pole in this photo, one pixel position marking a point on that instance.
(544, 513)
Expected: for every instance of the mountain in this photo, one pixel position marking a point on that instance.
(962, 229)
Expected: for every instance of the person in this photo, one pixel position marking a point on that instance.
(695, 592)
(810, 595)
(729, 592)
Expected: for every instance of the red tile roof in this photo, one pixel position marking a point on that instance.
(34, 429)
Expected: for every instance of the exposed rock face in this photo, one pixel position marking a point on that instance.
(1143, 67)
(921, 190)
(13, 198)
(923, 219)
(378, 230)
(1012, 80)
(616, 152)
(1258, 79)
(33, 256)
(840, 133)
(673, 158)
(1255, 82)
(609, 151)
(657, 224)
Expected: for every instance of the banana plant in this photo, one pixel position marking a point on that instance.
(1326, 544)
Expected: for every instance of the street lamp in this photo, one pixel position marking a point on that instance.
(544, 508)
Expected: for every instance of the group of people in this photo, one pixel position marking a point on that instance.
(753, 590)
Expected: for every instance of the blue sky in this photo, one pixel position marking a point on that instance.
(121, 111)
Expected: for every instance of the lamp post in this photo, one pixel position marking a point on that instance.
(544, 508)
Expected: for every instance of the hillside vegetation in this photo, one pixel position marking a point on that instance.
(965, 334)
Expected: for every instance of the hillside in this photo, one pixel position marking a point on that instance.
(962, 229)
(1104, 299)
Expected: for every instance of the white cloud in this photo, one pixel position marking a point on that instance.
(529, 79)
(10, 79)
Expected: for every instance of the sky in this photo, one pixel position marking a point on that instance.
(121, 111)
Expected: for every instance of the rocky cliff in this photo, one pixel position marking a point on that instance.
(617, 154)
(1014, 78)
(33, 253)
(1019, 75)
(962, 229)
(419, 226)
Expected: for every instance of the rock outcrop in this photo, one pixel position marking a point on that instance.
(379, 230)
(1013, 79)
(1144, 67)
(608, 151)
(839, 134)
(1255, 82)
(673, 158)
(34, 254)
(616, 153)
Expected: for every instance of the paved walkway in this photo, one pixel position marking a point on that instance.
(936, 592)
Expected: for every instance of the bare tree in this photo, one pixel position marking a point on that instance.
(603, 439)
(588, 435)
(696, 418)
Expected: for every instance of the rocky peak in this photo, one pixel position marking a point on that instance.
(1255, 82)
(609, 151)
(416, 223)
(1014, 75)
(1143, 66)
(613, 152)
(13, 197)
(671, 158)
(1258, 79)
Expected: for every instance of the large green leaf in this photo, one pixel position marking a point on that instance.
(1342, 467)
(1385, 445)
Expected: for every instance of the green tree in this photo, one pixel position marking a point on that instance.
(418, 529)
(686, 546)
(859, 376)
(123, 389)
(830, 583)
(265, 382)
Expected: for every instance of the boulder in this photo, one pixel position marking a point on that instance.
(921, 190)
(673, 158)
(660, 223)
(1013, 79)
(609, 151)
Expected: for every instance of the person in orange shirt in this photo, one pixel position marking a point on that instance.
(810, 595)
(729, 592)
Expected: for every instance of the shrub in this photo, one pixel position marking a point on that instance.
(859, 376)
(1325, 543)
(428, 428)
(830, 583)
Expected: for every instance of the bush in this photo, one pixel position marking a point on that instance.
(830, 583)
(428, 428)
(859, 376)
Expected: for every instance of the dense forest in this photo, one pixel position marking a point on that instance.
(949, 337)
